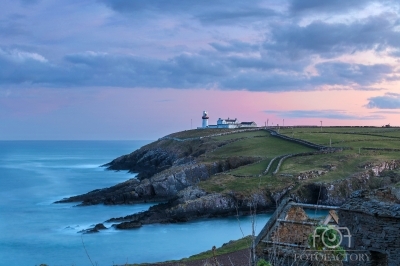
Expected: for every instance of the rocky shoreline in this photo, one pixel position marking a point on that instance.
(170, 171)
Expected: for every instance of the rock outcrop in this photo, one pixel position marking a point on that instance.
(193, 203)
(150, 159)
(335, 193)
(94, 229)
(162, 186)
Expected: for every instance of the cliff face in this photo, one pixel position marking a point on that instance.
(163, 154)
(148, 160)
(162, 186)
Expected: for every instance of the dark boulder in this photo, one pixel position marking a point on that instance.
(128, 225)
(94, 229)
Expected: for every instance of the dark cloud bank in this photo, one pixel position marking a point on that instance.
(277, 61)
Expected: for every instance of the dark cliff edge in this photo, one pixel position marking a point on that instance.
(163, 154)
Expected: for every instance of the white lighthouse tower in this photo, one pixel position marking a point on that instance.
(205, 119)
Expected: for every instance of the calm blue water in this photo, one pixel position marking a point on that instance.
(33, 174)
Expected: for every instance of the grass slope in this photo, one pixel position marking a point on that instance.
(265, 147)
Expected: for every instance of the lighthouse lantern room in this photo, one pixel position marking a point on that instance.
(205, 119)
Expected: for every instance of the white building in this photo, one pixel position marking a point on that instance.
(225, 123)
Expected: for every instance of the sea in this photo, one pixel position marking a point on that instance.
(34, 230)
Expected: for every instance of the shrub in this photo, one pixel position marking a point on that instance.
(263, 262)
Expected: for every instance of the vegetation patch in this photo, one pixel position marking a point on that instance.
(226, 183)
(196, 133)
(252, 169)
(231, 246)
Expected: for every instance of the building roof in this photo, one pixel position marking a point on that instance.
(287, 231)
(247, 123)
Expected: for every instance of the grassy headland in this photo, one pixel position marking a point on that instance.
(219, 171)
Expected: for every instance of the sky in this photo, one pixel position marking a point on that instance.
(134, 69)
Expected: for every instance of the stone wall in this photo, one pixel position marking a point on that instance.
(299, 141)
(376, 235)
(373, 219)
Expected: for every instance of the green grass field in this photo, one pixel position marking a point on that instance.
(248, 179)
(249, 144)
(265, 147)
(250, 134)
(251, 170)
